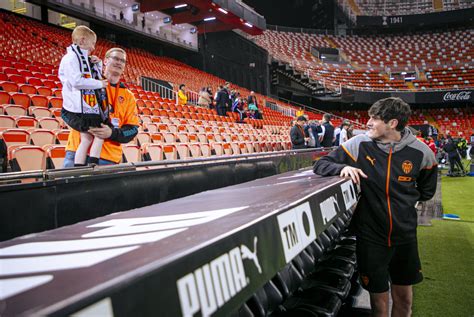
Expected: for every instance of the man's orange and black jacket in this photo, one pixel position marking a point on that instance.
(399, 175)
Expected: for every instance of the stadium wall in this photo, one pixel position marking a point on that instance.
(235, 59)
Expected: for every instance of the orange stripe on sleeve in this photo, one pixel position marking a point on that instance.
(348, 153)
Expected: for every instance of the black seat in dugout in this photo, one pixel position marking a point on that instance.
(328, 281)
(336, 265)
(265, 300)
(311, 302)
(305, 263)
(333, 233)
(243, 311)
(288, 280)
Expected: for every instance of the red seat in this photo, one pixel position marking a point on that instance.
(17, 79)
(4, 97)
(21, 99)
(35, 81)
(55, 155)
(28, 89)
(39, 101)
(56, 102)
(45, 91)
(9, 86)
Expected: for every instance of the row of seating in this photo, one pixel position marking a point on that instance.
(317, 282)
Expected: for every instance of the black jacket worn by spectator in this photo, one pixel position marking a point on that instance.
(328, 135)
(399, 175)
(222, 99)
(297, 137)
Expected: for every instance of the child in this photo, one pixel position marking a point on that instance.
(84, 100)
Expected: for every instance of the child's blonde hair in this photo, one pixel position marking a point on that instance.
(82, 31)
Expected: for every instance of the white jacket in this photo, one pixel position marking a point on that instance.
(74, 80)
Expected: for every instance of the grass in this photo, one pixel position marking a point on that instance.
(447, 256)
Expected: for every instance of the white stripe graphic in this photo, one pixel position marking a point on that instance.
(39, 264)
(69, 246)
(13, 286)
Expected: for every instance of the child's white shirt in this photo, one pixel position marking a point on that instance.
(73, 81)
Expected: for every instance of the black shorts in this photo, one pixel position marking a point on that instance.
(378, 265)
(82, 122)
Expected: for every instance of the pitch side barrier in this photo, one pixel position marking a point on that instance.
(43, 200)
(201, 255)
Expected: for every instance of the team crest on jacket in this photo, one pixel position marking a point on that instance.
(121, 99)
(407, 166)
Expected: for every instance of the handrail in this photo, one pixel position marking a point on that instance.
(407, 89)
(150, 85)
(357, 124)
(52, 174)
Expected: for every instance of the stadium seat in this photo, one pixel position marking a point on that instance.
(131, 153)
(7, 122)
(14, 110)
(49, 123)
(41, 137)
(55, 155)
(62, 136)
(28, 157)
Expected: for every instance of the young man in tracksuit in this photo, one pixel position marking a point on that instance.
(394, 170)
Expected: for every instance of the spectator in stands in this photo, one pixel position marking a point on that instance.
(82, 108)
(297, 134)
(123, 116)
(204, 98)
(311, 130)
(222, 101)
(300, 112)
(143, 22)
(343, 134)
(121, 15)
(328, 134)
(182, 98)
(252, 99)
(238, 105)
(385, 219)
(211, 95)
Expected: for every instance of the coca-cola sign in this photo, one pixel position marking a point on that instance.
(457, 96)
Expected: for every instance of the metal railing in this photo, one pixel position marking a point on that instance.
(53, 174)
(314, 110)
(150, 85)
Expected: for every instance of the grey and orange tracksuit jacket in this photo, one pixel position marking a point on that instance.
(399, 175)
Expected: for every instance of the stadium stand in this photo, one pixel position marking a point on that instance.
(444, 58)
(406, 7)
(32, 99)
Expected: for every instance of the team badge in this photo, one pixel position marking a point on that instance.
(121, 99)
(407, 166)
